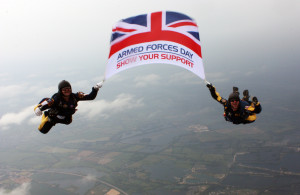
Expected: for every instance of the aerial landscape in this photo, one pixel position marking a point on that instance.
(153, 129)
(176, 154)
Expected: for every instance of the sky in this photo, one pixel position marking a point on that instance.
(44, 42)
(251, 44)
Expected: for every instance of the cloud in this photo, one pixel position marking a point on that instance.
(23, 189)
(16, 118)
(11, 90)
(185, 77)
(142, 81)
(88, 178)
(88, 109)
(34, 120)
(81, 85)
(19, 90)
(4, 77)
(105, 108)
(40, 91)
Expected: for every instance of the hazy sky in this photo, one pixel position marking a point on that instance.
(43, 42)
(250, 44)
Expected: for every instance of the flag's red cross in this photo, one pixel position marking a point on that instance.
(157, 34)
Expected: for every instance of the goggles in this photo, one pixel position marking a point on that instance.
(66, 89)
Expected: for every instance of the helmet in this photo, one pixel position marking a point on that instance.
(63, 84)
(234, 96)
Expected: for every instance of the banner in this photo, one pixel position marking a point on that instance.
(160, 37)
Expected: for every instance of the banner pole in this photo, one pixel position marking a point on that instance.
(101, 82)
(206, 82)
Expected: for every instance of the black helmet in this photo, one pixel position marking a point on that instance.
(234, 96)
(63, 84)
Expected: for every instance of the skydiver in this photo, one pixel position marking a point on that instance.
(236, 110)
(62, 105)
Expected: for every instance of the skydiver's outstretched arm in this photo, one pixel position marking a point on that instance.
(215, 94)
(91, 96)
(47, 103)
(80, 96)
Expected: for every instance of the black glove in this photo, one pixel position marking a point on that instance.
(255, 100)
(210, 86)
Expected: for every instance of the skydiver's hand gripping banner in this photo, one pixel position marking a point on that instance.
(160, 37)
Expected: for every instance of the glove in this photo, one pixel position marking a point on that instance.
(38, 111)
(210, 86)
(98, 85)
(255, 100)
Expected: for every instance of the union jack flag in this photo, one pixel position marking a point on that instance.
(156, 26)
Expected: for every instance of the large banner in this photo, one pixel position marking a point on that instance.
(159, 37)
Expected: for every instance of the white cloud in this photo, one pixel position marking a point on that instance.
(11, 90)
(81, 85)
(16, 118)
(185, 77)
(21, 190)
(142, 81)
(19, 90)
(40, 91)
(34, 120)
(105, 108)
(88, 178)
(89, 109)
(4, 77)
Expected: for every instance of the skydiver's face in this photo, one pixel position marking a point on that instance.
(234, 104)
(66, 91)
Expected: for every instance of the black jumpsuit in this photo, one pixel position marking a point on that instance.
(58, 110)
(246, 112)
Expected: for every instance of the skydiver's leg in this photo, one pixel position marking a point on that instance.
(46, 124)
(63, 119)
(235, 90)
(46, 128)
(246, 95)
(257, 109)
(254, 103)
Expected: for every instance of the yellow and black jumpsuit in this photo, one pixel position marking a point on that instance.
(246, 112)
(58, 110)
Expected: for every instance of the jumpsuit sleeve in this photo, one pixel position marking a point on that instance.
(50, 103)
(80, 96)
(215, 95)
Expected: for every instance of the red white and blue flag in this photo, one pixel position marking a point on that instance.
(159, 37)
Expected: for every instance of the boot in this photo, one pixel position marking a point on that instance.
(235, 90)
(246, 95)
(43, 122)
